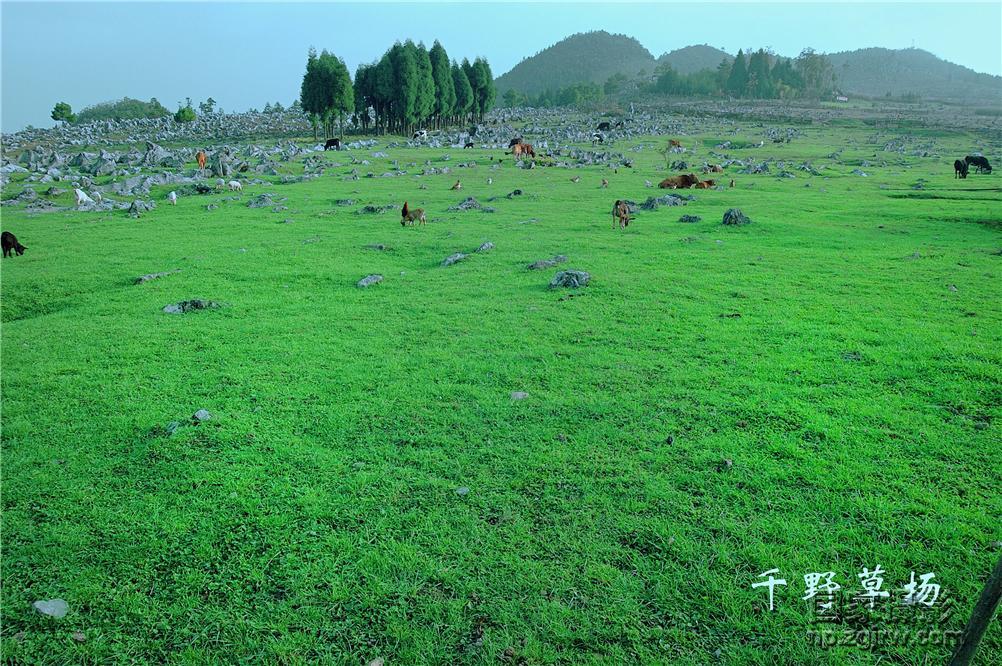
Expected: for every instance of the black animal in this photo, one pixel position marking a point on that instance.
(619, 125)
(468, 144)
(333, 144)
(9, 242)
(604, 127)
(598, 137)
(959, 169)
(981, 163)
(514, 142)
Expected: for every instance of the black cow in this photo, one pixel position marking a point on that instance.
(333, 144)
(468, 144)
(981, 163)
(959, 169)
(604, 127)
(9, 242)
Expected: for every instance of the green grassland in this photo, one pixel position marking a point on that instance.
(843, 353)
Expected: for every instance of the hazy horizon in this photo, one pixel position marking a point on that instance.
(246, 55)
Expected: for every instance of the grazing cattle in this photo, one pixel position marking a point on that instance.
(408, 216)
(82, 197)
(490, 181)
(732, 183)
(523, 149)
(9, 242)
(713, 168)
(597, 137)
(604, 127)
(576, 179)
(172, 197)
(605, 183)
(674, 143)
(514, 142)
(680, 182)
(201, 159)
(420, 135)
(619, 125)
(620, 212)
(333, 144)
(706, 184)
(457, 186)
(235, 186)
(981, 163)
(468, 144)
(960, 169)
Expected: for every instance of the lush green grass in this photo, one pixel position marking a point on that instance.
(316, 516)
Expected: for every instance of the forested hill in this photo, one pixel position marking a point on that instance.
(877, 71)
(690, 59)
(586, 57)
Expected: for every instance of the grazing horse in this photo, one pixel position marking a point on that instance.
(408, 216)
(620, 212)
(523, 149)
(981, 163)
(960, 169)
(201, 159)
(332, 144)
(9, 242)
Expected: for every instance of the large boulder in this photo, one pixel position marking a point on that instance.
(734, 217)
(570, 278)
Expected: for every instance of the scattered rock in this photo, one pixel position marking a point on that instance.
(653, 203)
(139, 207)
(486, 247)
(378, 246)
(369, 280)
(519, 395)
(471, 204)
(453, 258)
(547, 263)
(462, 491)
(690, 219)
(570, 278)
(734, 217)
(79, 636)
(57, 608)
(725, 465)
(153, 276)
(187, 306)
(201, 415)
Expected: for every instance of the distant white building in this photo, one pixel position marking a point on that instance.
(841, 98)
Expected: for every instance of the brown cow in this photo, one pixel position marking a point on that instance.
(705, 185)
(200, 158)
(679, 182)
(674, 143)
(457, 186)
(409, 216)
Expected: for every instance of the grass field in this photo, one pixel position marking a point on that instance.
(818, 391)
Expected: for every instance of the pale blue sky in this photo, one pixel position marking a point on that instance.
(244, 55)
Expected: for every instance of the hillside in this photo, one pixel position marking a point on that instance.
(585, 57)
(690, 59)
(877, 71)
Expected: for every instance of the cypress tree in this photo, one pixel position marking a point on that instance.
(445, 88)
(737, 81)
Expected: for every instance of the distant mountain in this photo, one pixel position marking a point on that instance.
(585, 57)
(877, 71)
(691, 59)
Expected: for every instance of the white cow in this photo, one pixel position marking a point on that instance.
(236, 186)
(172, 197)
(82, 197)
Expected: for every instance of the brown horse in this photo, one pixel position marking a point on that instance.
(621, 211)
(523, 149)
(409, 216)
(201, 159)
